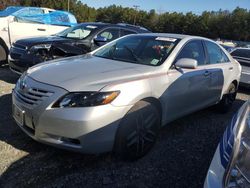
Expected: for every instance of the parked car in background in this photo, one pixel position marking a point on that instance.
(228, 48)
(76, 40)
(242, 55)
(230, 167)
(120, 95)
(22, 22)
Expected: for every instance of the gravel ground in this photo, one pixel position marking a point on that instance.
(180, 158)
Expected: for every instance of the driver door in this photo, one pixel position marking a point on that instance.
(189, 88)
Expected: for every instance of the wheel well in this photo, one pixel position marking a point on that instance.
(156, 103)
(4, 45)
(235, 83)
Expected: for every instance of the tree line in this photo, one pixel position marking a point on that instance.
(234, 25)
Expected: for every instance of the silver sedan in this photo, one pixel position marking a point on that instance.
(120, 95)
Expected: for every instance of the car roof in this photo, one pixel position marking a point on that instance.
(173, 35)
(120, 25)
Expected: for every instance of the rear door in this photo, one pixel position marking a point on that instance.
(221, 70)
(189, 89)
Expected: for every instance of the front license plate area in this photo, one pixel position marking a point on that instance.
(18, 114)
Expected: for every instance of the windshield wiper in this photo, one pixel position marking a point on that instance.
(133, 54)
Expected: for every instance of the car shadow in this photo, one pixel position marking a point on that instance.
(244, 90)
(176, 156)
(7, 75)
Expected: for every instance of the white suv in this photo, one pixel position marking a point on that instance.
(23, 22)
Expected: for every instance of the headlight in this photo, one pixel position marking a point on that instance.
(86, 99)
(39, 46)
(238, 171)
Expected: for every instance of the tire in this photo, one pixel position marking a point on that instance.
(227, 100)
(3, 53)
(138, 131)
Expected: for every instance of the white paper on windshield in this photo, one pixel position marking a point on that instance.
(154, 62)
(166, 39)
(91, 26)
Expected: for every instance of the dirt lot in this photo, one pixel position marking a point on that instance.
(180, 158)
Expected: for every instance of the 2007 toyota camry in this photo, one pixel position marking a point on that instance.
(118, 97)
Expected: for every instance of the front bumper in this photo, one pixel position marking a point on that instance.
(87, 130)
(19, 60)
(15, 67)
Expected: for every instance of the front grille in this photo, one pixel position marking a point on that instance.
(32, 96)
(15, 55)
(20, 46)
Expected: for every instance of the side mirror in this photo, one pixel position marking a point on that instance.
(187, 63)
(100, 39)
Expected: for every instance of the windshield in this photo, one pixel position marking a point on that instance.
(148, 50)
(78, 32)
(8, 11)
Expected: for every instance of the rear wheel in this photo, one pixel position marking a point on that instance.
(138, 131)
(228, 98)
(3, 53)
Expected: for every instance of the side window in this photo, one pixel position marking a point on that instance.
(193, 50)
(215, 54)
(241, 53)
(29, 12)
(110, 34)
(237, 52)
(26, 13)
(126, 32)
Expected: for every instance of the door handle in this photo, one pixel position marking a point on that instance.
(207, 73)
(231, 68)
(39, 29)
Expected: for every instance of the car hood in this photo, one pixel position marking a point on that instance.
(85, 73)
(42, 40)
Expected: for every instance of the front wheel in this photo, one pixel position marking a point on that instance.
(227, 100)
(138, 131)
